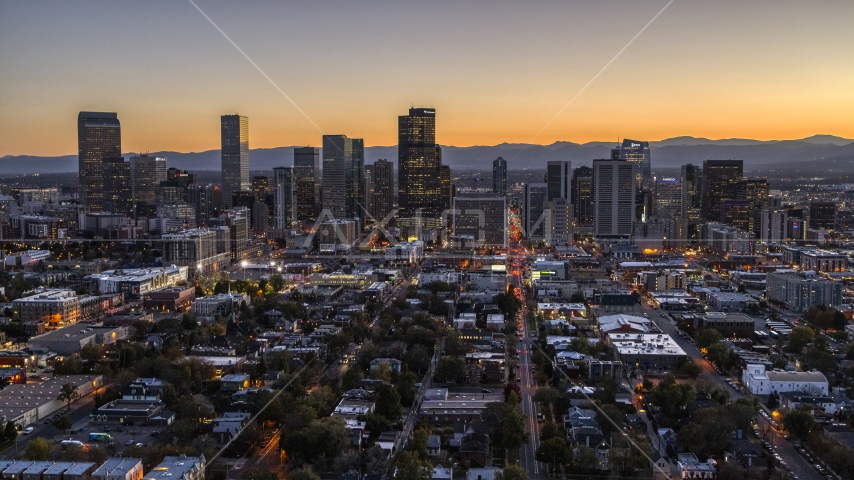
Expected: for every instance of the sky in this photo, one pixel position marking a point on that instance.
(495, 71)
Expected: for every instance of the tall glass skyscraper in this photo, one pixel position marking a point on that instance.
(235, 156)
(99, 136)
(582, 196)
(499, 176)
(146, 173)
(307, 173)
(721, 180)
(559, 179)
(117, 186)
(637, 152)
(419, 167)
(284, 198)
(343, 175)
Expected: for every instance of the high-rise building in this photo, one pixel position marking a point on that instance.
(237, 221)
(175, 186)
(446, 185)
(146, 174)
(483, 217)
(370, 190)
(343, 175)
(667, 197)
(307, 173)
(260, 187)
(692, 199)
(637, 152)
(773, 222)
(235, 156)
(720, 182)
(582, 196)
(822, 215)
(534, 214)
(418, 166)
(737, 213)
(560, 229)
(117, 186)
(380, 189)
(207, 199)
(614, 191)
(285, 198)
(559, 179)
(99, 136)
(755, 191)
(499, 176)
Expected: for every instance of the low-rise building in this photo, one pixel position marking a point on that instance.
(181, 467)
(71, 339)
(234, 382)
(54, 307)
(119, 469)
(135, 283)
(171, 299)
(24, 404)
(648, 351)
(728, 324)
(762, 382)
(223, 304)
(691, 467)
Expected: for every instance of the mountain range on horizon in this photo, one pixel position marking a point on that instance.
(831, 151)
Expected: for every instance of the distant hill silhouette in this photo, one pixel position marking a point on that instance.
(815, 151)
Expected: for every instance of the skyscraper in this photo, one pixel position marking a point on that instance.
(534, 217)
(614, 191)
(637, 152)
(755, 191)
(284, 198)
(99, 136)
(559, 179)
(307, 173)
(419, 182)
(720, 182)
(343, 175)
(381, 185)
(482, 216)
(582, 196)
(822, 215)
(235, 156)
(117, 189)
(446, 186)
(499, 176)
(667, 197)
(692, 198)
(146, 174)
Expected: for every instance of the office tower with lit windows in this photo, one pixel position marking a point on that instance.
(481, 216)
(667, 197)
(175, 186)
(117, 186)
(614, 192)
(499, 176)
(755, 191)
(721, 180)
(582, 196)
(447, 188)
(307, 174)
(146, 175)
(419, 167)
(343, 176)
(822, 215)
(692, 199)
(207, 200)
(284, 198)
(99, 136)
(235, 156)
(636, 152)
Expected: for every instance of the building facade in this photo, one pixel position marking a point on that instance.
(99, 136)
(235, 156)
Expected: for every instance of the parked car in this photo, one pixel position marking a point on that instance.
(28, 430)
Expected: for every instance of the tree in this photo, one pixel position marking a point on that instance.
(513, 434)
(319, 443)
(708, 337)
(68, 393)
(38, 449)
(388, 403)
(672, 397)
(406, 387)
(418, 442)
(548, 431)
(451, 370)
(799, 338)
(10, 432)
(689, 368)
(799, 423)
(454, 345)
(259, 473)
(512, 472)
(63, 423)
(553, 451)
(302, 474)
(411, 467)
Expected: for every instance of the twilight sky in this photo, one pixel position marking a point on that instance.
(496, 71)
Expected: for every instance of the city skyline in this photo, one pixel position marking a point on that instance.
(771, 72)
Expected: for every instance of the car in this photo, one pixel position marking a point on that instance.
(154, 433)
(129, 443)
(419, 385)
(28, 430)
(48, 421)
(485, 390)
(120, 429)
(140, 444)
(106, 429)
